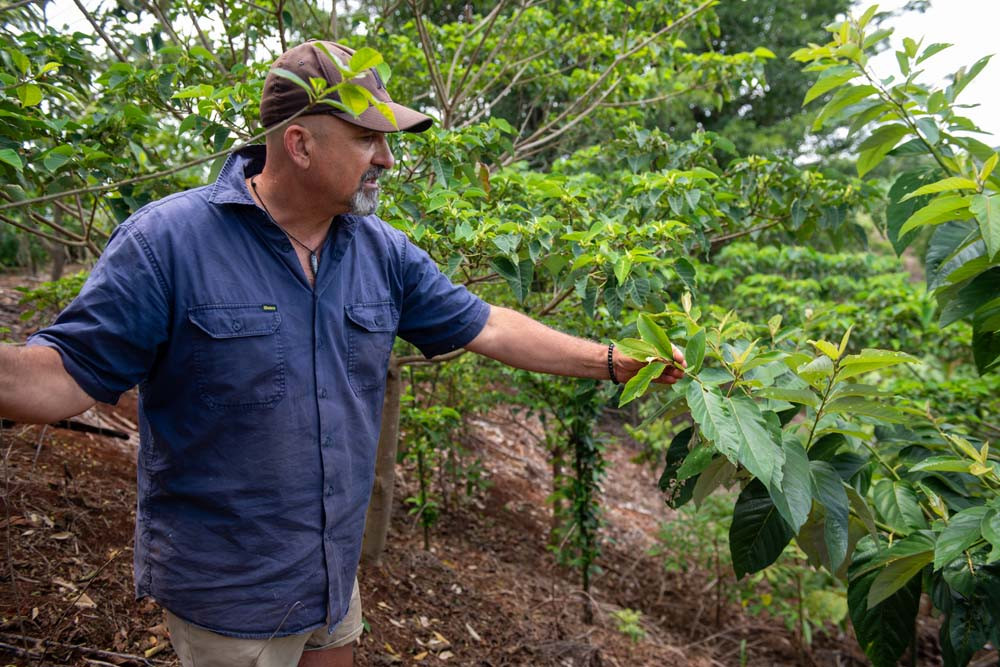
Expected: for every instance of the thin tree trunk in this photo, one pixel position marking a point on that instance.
(380, 507)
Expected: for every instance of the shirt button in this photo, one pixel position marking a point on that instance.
(287, 247)
(237, 325)
(327, 441)
(322, 393)
(329, 490)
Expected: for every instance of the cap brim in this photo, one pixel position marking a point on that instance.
(407, 120)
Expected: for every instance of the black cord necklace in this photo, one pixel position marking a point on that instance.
(313, 252)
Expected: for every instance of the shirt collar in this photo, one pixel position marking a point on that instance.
(230, 187)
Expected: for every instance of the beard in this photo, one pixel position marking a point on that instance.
(365, 200)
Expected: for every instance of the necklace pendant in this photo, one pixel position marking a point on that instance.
(314, 263)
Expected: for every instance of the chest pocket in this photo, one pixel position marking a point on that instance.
(238, 356)
(371, 330)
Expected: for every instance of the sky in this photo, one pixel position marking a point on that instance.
(970, 26)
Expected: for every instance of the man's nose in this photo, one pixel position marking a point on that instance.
(383, 156)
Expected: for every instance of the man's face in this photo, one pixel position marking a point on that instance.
(352, 160)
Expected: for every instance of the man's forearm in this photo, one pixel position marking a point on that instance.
(519, 341)
(35, 387)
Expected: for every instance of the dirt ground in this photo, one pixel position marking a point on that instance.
(487, 593)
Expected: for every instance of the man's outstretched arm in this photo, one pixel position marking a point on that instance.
(35, 387)
(519, 341)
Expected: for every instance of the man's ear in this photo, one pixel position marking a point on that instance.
(297, 139)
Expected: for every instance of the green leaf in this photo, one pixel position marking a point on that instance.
(794, 498)
(10, 156)
(941, 209)
(899, 211)
(694, 352)
(200, 90)
(518, 276)
(829, 492)
(623, 266)
(871, 360)
(887, 629)
(931, 50)
(718, 473)
(830, 79)
(963, 78)
(636, 349)
(638, 384)
(987, 212)
(896, 503)
(944, 185)
(963, 530)
(29, 94)
(875, 147)
(698, 461)
(842, 99)
(757, 450)
(990, 529)
(57, 157)
(354, 98)
(652, 333)
(365, 58)
(758, 534)
(291, 76)
(857, 406)
(942, 464)
(800, 396)
(903, 561)
(827, 348)
(709, 411)
(816, 371)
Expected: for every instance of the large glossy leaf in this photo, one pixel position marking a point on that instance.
(875, 147)
(990, 529)
(637, 384)
(871, 360)
(968, 628)
(518, 276)
(830, 79)
(896, 504)
(862, 407)
(709, 411)
(694, 352)
(903, 561)
(653, 334)
(899, 208)
(718, 473)
(758, 534)
(940, 209)
(885, 630)
(963, 530)
(828, 490)
(757, 450)
(794, 498)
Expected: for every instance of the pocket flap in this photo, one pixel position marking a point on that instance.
(380, 316)
(236, 320)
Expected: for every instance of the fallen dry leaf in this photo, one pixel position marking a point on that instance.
(85, 602)
(446, 655)
(473, 633)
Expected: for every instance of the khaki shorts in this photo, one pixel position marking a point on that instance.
(198, 647)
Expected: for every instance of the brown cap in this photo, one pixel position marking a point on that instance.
(283, 98)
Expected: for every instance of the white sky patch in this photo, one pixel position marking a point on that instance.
(970, 26)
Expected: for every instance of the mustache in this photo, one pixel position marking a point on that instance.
(372, 174)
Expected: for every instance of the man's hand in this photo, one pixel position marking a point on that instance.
(626, 367)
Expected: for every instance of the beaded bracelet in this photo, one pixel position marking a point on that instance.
(611, 363)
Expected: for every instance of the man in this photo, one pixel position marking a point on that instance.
(257, 316)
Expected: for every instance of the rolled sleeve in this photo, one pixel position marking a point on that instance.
(109, 335)
(437, 315)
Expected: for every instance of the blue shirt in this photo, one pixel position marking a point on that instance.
(260, 396)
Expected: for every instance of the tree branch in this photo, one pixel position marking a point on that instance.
(432, 66)
(100, 31)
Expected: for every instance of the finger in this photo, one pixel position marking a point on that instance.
(679, 355)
